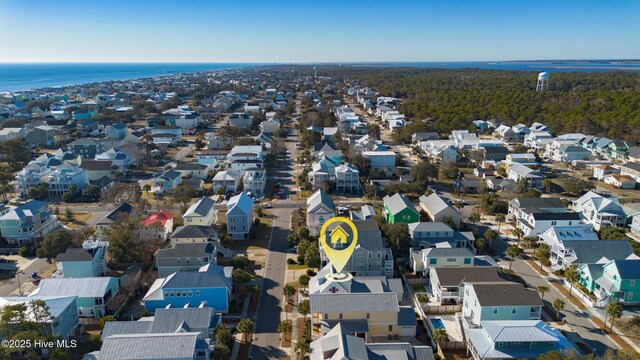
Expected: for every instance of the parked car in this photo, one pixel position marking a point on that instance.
(267, 206)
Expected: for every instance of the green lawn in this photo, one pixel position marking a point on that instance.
(418, 288)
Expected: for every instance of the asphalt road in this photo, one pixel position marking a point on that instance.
(11, 285)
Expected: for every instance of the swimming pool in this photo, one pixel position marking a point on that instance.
(437, 323)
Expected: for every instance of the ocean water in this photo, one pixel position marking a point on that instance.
(26, 76)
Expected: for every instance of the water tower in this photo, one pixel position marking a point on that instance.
(543, 81)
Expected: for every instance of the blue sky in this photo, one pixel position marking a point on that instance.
(318, 31)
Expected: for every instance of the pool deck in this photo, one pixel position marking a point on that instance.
(451, 325)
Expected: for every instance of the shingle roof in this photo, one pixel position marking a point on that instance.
(189, 166)
(97, 165)
(116, 214)
(185, 280)
(319, 198)
(434, 203)
(187, 250)
(74, 254)
(125, 327)
(201, 207)
(505, 294)
(454, 276)
(193, 231)
(632, 165)
(591, 251)
(447, 252)
(168, 320)
(628, 269)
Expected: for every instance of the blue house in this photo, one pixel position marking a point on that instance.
(212, 285)
(30, 221)
(63, 312)
(168, 181)
(117, 131)
(93, 294)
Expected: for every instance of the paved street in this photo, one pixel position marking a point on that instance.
(10, 285)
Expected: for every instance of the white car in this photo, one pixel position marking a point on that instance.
(267, 206)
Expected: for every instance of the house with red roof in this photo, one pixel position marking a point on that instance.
(157, 226)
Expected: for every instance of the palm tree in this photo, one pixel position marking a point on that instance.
(245, 327)
(543, 289)
(518, 233)
(548, 184)
(513, 252)
(304, 308)
(474, 218)
(613, 311)
(458, 205)
(500, 219)
(440, 335)
(543, 253)
(491, 235)
(572, 276)
(558, 304)
(285, 328)
(288, 291)
(480, 243)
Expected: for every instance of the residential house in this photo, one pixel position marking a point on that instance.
(524, 159)
(28, 222)
(367, 305)
(570, 153)
(518, 172)
(631, 169)
(371, 257)
(600, 211)
(423, 260)
(87, 148)
(440, 235)
(227, 180)
(239, 216)
(320, 208)
(600, 171)
(339, 343)
(119, 213)
(87, 128)
(98, 169)
(614, 281)
(495, 153)
(211, 285)
(93, 294)
(536, 215)
(202, 320)
(190, 234)
(520, 339)
(500, 301)
(202, 212)
(617, 150)
(117, 131)
(216, 141)
(192, 170)
(241, 120)
(180, 345)
(62, 180)
(88, 261)
(381, 159)
(63, 313)
(366, 212)
(322, 172)
(157, 226)
(398, 208)
(270, 126)
(167, 181)
(7, 134)
(424, 136)
(254, 182)
(41, 136)
(347, 179)
(185, 257)
(620, 181)
(577, 252)
(439, 209)
(447, 283)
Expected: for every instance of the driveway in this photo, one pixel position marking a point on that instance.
(9, 287)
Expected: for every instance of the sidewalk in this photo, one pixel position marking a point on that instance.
(238, 337)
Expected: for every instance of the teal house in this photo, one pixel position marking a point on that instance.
(398, 208)
(615, 281)
(93, 294)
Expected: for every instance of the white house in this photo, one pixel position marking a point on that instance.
(227, 180)
(239, 216)
(320, 208)
(518, 172)
(254, 181)
(600, 211)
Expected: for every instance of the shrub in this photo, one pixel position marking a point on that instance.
(304, 279)
(423, 298)
(291, 261)
(24, 251)
(310, 272)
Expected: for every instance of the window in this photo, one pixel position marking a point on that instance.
(499, 344)
(197, 292)
(172, 294)
(433, 261)
(368, 315)
(340, 316)
(467, 260)
(360, 254)
(513, 310)
(184, 292)
(632, 283)
(451, 259)
(190, 292)
(495, 310)
(390, 328)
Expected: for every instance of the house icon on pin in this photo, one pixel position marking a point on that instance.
(338, 238)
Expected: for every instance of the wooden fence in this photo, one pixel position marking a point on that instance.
(441, 309)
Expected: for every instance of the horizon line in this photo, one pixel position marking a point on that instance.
(310, 62)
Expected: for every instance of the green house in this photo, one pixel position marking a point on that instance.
(398, 208)
(617, 280)
(617, 149)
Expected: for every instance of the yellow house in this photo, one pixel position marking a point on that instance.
(367, 306)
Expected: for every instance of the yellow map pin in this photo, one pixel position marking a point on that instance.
(339, 247)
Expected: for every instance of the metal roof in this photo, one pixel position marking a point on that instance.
(151, 346)
(354, 302)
